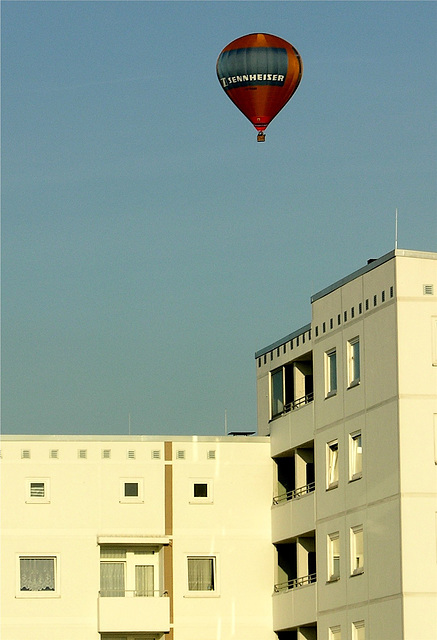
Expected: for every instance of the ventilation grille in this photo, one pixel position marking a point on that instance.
(54, 453)
(37, 490)
(180, 454)
(131, 454)
(82, 453)
(106, 453)
(156, 454)
(428, 289)
(211, 455)
(25, 453)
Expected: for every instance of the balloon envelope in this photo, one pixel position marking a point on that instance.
(259, 72)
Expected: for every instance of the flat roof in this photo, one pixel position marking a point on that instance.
(132, 438)
(371, 264)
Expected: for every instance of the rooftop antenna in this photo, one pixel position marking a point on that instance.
(396, 229)
(128, 418)
(226, 422)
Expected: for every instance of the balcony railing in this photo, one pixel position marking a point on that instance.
(295, 493)
(294, 583)
(131, 593)
(299, 402)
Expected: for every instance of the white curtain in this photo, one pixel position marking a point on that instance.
(112, 579)
(144, 580)
(333, 465)
(200, 574)
(37, 574)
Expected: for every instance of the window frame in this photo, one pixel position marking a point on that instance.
(355, 456)
(332, 463)
(273, 412)
(333, 540)
(139, 499)
(356, 531)
(56, 574)
(203, 593)
(353, 371)
(330, 366)
(357, 626)
(32, 499)
(209, 498)
(335, 632)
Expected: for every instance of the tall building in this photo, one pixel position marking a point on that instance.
(324, 526)
(350, 404)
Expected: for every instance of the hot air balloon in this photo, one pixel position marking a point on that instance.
(259, 72)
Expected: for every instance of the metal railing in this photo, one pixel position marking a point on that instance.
(131, 593)
(299, 402)
(295, 493)
(294, 583)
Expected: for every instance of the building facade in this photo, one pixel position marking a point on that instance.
(350, 403)
(136, 538)
(322, 527)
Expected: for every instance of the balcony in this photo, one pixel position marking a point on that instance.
(293, 513)
(294, 603)
(294, 426)
(129, 613)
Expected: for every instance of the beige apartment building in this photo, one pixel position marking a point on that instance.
(323, 526)
(350, 404)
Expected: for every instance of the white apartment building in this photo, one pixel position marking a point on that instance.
(324, 526)
(350, 403)
(136, 538)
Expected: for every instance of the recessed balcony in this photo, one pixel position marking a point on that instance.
(292, 428)
(293, 513)
(132, 614)
(294, 603)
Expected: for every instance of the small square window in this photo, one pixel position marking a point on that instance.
(201, 491)
(131, 490)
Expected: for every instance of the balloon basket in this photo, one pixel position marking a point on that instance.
(261, 137)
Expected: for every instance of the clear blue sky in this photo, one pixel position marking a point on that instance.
(150, 245)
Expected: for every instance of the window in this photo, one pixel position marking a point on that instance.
(331, 372)
(353, 347)
(201, 491)
(335, 633)
(332, 464)
(129, 572)
(38, 576)
(38, 491)
(355, 456)
(131, 490)
(358, 630)
(357, 550)
(333, 556)
(277, 396)
(201, 573)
